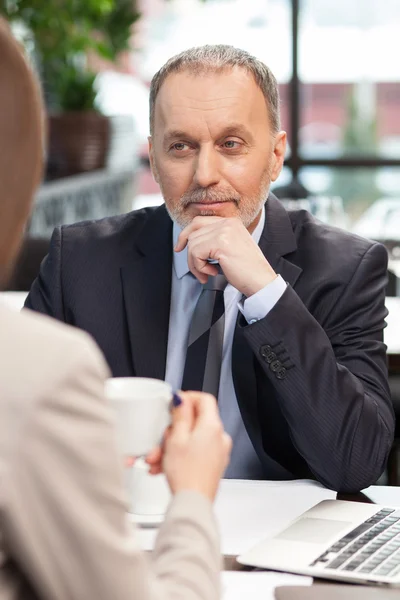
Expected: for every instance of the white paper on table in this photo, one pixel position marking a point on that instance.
(256, 585)
(384, 495)
(249, 511)
(13, 300)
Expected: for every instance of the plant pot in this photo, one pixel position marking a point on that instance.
(78, 142)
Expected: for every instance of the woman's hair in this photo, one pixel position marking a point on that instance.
(21, 144)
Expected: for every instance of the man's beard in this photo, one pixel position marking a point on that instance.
(248, 207)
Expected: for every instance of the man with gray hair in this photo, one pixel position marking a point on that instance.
(222, 290)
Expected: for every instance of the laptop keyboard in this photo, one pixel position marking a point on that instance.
(372, 547)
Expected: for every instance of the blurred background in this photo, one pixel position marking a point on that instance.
(338, 70)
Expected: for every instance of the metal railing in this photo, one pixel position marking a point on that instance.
(81, 197)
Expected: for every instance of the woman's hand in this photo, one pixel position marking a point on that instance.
(196, 449)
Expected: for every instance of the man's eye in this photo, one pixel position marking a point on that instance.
(231, 144)
(180, 146)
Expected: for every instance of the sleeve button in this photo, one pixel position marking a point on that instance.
(271, 356)
(275, 365)
(281, 373)
(264, 350)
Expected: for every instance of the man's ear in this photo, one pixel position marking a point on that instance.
(278, 155)
(151, 158)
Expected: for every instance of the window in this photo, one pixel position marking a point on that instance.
(349, 78)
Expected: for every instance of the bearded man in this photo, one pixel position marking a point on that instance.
(222, 290)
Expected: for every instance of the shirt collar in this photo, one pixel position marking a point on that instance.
(180, 258)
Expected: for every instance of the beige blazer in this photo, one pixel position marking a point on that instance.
(64, 534)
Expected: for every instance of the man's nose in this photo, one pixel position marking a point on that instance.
(207, 168)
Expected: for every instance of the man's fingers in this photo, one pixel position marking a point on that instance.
(182, 241)
(197, 223)
(201, 269)
(199, 253)
(184, 236)
(204, 267)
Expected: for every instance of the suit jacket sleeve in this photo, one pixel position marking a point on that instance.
(64, 512)
(334, 391)
(45, 295)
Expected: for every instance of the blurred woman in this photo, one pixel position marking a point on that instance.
(63, 527)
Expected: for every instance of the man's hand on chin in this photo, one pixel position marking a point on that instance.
(227, 241)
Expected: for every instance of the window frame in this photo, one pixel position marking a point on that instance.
(295, 162)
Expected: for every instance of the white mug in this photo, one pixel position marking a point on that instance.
(149, 495)
(142, 412)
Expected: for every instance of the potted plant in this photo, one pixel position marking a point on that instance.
(62, 34)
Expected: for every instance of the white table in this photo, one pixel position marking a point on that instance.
(249, 511)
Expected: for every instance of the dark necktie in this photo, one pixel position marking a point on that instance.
(206, 336)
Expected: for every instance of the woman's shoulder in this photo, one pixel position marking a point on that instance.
(36, 352)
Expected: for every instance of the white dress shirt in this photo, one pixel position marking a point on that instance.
(185, 292)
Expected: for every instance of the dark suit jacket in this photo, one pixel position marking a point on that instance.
(310, 378)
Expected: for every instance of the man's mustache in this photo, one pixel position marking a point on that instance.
(204, 195)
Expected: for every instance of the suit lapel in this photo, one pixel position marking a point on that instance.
(277, 242)
(146, 283)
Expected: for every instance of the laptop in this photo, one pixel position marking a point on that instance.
(341, 540)
(334, 592)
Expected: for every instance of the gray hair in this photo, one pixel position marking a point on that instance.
(216, 58)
